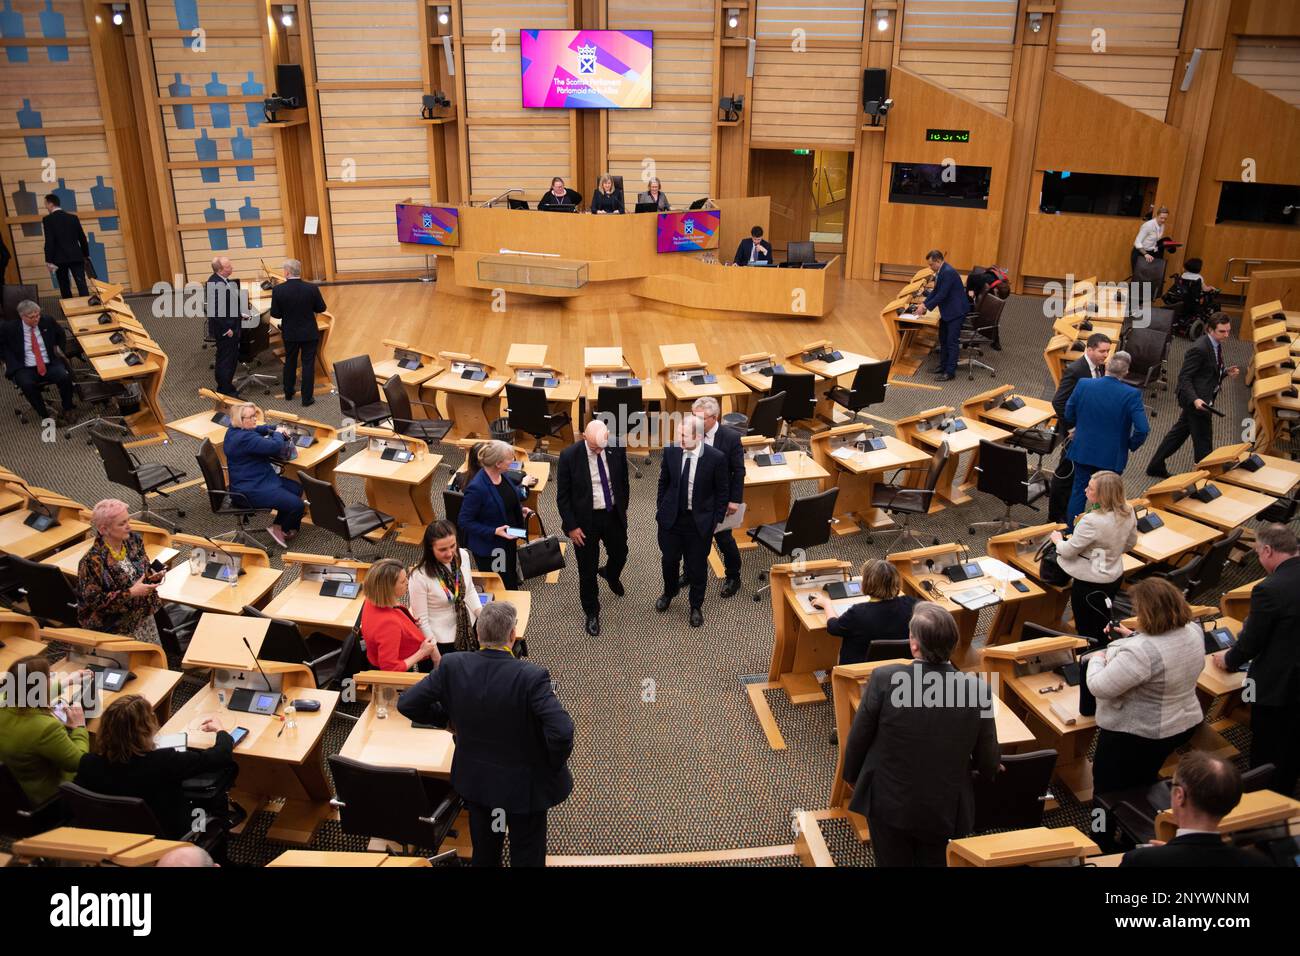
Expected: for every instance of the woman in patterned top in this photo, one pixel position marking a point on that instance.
(117, 591)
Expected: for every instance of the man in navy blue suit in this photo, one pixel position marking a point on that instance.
(949, 297)
(693, 488)
(513, 739)
(1109, 421)
(727, 441)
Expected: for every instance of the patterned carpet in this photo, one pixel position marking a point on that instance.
(669, 756)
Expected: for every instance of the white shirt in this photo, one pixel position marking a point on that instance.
(756, 252)
(28, 358)
(597, 493)
(1147, 236)
(710, 435)
(1094, 368)
(431, 608)
(693, 457)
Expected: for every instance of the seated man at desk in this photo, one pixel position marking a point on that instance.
(558, 195)
(117, 588)
(250, 448)
(910, 760)
(33, 357)
(394, 639)
(754, 250)
(886, 617)
(1204, 791)
(41, 744)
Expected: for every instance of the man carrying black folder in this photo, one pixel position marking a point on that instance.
(1199, 380)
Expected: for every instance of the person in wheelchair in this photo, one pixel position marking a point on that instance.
(1192, 299)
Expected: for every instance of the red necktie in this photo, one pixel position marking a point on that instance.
(36, 351)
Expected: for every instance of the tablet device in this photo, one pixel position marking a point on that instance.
(545, 382)
(872, 444)
(305, 440)
(39, 522)
(409, 364)
(238, 735)
(340, 589)
(221, 418)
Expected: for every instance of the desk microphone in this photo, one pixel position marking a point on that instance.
(258, 664)
(234, 561)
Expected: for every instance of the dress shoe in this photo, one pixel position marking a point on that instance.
(661, 605)
(593, 625)
(1158, 471)
(697, 617)
(615, 585)
(730, 587)
(307, 403)
(944, 377)
(288, 396)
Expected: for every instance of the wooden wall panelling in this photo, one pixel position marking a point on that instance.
(822, 22)
(1138, 80)
(1272, 64)
(982, 75)
(53, 86)
(1265, 18)
(1128, 23)
(868, 163)
(965, 22)
(805, 99)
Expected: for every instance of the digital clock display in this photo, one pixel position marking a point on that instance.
(947, 136)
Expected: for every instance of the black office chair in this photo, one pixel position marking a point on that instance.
(1194, 575)
(121, 467)
(622, 408)
(800, 253)
(1004, 473)
(527, 411)
(513, 203)
(18, 817)
(226, 503)
(451, 502)
(429, 430)
(980, 332)
(808, 525)
(1147, 348)
(50, 598)
(286, 644)
(351, 660)
(902, 500)
(1013, 798)
(99, 811)
(889, 650)
(870, 382)
(11, 295)
(767, 417)
(1152, 272)
(800, 390)
(394, 804)
(253, 343)
(328, 512)
(358, 394)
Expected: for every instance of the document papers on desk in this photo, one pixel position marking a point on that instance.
(999, 569)
(972, 599)
(732, 522)
(1066, 712)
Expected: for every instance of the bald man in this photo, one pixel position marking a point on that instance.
(224, 318)
(186, 856)
(592, 497)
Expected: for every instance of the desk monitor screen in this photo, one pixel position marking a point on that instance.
(340, 589)
(586, 69)
(428, 225)
(689, 231)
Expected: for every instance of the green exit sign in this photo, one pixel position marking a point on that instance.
(802, 152)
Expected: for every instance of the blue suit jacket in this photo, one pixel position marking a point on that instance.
(712, 485)
(248, 457)
(949, 295)
(482, 512)
(1109, 422)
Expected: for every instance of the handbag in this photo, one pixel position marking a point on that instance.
(540, 556)
(1049, 571)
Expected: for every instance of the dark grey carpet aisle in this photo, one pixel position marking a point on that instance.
(669, 756)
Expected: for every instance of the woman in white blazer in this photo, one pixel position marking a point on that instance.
(443, 598)
(1094, 553)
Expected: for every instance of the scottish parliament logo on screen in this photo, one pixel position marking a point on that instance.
(691, 231)
(586, 69)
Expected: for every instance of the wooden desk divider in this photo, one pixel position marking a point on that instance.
(127, 652)
(796, 653)
(385, 686)
(218, 643)
(1276, 410)
(684, 355)
(301, 600)
(406, 351)
(1018, 548)
(1255, 810)
(1034, 846)
(1060, 351)
(1235, 603)
(248, 556)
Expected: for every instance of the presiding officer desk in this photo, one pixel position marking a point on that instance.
(587, 261)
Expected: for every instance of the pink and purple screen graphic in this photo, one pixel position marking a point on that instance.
(689, 231)
(428, 225)
(585, 69)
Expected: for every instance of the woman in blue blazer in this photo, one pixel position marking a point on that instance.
(492, 506)
(249, 448)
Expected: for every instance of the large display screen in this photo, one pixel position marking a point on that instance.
(428, 225)
(689, 231)
(586, 69)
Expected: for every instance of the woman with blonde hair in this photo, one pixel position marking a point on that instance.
(493, 514)
(607, 199)
(250, 448)
(654, 193)
(394, 641)
(1093, 555)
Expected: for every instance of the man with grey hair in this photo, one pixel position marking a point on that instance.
(33, 357)
(693, 490)
(727, 441)
(1109, 421)
(513, 739)
(186, 856)
(225, 318)
(296, 304)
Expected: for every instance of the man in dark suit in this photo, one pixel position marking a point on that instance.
(225, 317)
(754, 249)
(66, 249)
(513, 739)
(1270, 641)
(693, 489)
(592, 497)
(4, 263)
(1198, 385)
(909, 758)
(33, 356)
(1091, 364)
(296, 303)
(1109, 421)
(727, 441)
(1204, 789)
(949, 297)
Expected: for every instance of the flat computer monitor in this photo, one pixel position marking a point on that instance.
(647, 207)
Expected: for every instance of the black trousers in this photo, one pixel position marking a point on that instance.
(1089, 608)
(1275, 739)
(683, 541)
(1124, 760)
(605, 528)
(78, 271)
(227, 362)
(504, 562)
(1190, 422)
(726, 541)
(1058, 496)
(307, 351)
(487, 830)
(30, 383)
(894, 847)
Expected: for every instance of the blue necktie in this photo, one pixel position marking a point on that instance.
(683, 492)
(604, 483)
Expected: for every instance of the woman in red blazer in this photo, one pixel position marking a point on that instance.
(394, 641)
